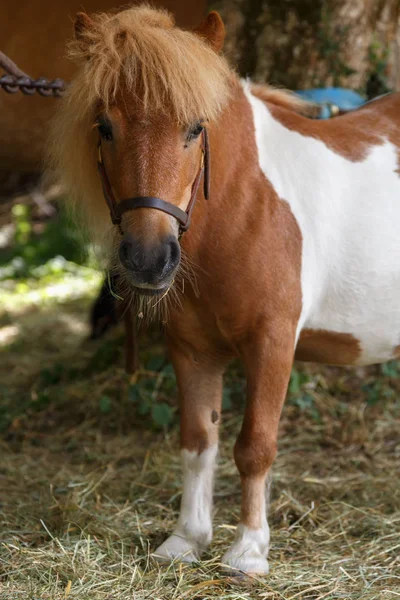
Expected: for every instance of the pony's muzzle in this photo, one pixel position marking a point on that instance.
(150, 268)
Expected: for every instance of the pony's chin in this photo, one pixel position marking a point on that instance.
(149, 291)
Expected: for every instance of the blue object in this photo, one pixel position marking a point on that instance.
(332, 98)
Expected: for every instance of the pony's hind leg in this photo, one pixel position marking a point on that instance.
(200, 392)
(267, 363)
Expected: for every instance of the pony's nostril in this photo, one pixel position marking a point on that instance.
(175, 252)
(171, 257)
(157, 261)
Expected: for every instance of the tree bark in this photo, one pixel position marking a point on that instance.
(315, 43)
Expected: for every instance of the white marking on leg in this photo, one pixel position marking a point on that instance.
(193, 531)
(250, 549)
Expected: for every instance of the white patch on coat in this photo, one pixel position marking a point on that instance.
(250, 549)
(193, 532)
(349, 216)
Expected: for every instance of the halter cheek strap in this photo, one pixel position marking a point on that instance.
(117, 209)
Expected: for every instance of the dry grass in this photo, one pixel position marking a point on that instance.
(85, 495)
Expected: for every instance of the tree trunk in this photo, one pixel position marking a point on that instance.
(315, 43)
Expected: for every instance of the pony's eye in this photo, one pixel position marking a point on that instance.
(105, 129)
(194, 132)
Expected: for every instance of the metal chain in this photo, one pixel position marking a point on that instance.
(18, 81)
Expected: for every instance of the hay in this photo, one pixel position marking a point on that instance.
(85, 495)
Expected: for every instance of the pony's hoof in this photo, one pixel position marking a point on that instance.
(176, 548)
(248, 564)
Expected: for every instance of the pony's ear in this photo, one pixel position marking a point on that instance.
(83, 24)
(213, 30)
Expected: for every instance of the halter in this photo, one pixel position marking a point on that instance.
(117, 209)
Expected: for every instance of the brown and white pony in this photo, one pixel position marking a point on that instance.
(295, 254)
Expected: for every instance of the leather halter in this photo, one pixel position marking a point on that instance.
(117, 209)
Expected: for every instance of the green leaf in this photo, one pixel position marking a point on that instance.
(134, 393)
(304, 402)
(390, 369)
(143, 406)
(168, 370)
(162, 414)
(374, 392)
(53, 375)
(148, 385)
(155, 363)
(297, 379)
(105, 404)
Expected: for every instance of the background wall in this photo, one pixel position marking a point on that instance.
(34, 34)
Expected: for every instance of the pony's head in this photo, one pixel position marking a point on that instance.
(144, 92)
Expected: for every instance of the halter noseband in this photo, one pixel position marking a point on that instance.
(117, 209)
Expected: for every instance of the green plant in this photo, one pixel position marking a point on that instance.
(150, 392)
(298, 394)
(378, 56)
(23, 227)
(32, 248)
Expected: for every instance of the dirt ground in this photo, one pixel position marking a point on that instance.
(90, 485)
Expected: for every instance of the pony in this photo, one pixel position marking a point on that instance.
(295, 253)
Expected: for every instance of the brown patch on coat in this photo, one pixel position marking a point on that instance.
(328, 347)
(350, 135)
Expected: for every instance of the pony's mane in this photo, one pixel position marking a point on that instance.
(167, 67)
(285, 99)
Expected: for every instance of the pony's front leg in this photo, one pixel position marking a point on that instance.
(267, 364)
(200, 393)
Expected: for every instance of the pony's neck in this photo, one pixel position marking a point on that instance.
(240, 193)
(235, 168)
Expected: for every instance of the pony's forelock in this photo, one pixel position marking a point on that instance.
(166, 67)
